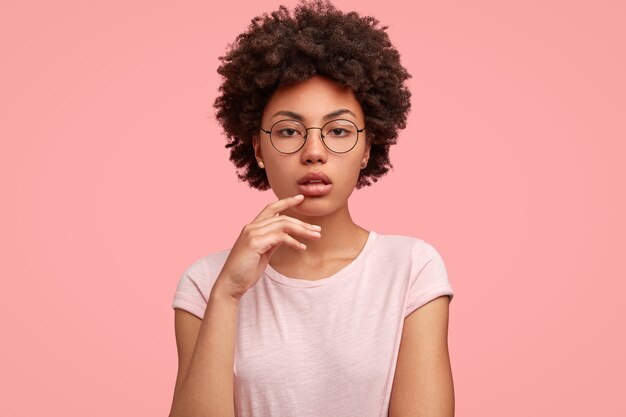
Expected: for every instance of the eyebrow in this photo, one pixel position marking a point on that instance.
(299, 117)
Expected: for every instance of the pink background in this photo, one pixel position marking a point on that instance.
(114, 178)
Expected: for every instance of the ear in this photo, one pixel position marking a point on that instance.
(256, 143)
(368, 147)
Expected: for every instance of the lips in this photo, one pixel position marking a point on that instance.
(314, 189)
(315, 177)
(315, 184)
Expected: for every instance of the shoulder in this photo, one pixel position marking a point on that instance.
(412, 255)
(404, 246)
(196, 282)
(204, 266)
(202, 273)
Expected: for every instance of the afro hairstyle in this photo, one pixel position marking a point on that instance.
(280, 49)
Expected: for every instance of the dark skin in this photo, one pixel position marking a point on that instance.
(341, 238)
(282, 48)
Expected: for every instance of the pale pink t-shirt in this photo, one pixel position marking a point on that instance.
(326, 347)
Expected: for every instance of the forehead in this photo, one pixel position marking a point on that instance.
(313, 98)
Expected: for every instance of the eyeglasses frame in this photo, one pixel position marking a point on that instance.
(306, 134)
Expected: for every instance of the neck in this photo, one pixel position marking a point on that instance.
(339, 235)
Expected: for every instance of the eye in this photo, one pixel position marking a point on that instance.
(286, 129)
(288, 132)
(338, 131)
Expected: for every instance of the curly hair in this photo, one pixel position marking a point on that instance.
(280, 49)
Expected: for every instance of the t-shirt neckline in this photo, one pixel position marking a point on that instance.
(307, 283)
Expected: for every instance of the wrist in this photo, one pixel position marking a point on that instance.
(225, 289)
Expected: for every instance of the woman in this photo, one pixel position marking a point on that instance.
(309, 314)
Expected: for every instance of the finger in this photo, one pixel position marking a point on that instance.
(285, 226)
(293, 242)
(280, 217)
(276, 207)
(267, 243)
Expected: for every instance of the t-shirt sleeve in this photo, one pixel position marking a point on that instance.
(193, 289)
(429, 277)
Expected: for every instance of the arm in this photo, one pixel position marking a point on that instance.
(206, 351)
(423, 385)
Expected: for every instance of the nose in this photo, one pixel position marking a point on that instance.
(314, 149)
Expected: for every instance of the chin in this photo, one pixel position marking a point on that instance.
(316, 206)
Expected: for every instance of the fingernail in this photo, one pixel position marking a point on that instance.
(299, 196)
(316, 227)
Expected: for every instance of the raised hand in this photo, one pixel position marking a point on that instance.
(257, 242)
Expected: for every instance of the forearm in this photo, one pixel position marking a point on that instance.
(208, 386)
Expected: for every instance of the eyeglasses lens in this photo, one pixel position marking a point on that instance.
(339, 135)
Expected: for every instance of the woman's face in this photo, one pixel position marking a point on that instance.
(313, 102)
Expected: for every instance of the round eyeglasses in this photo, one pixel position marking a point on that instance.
(289, 136)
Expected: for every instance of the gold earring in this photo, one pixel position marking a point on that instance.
(261, 165)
